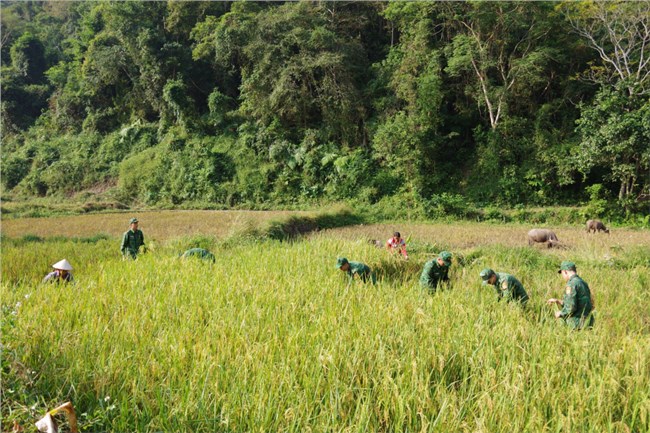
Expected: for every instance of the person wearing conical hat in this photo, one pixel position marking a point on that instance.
(132, 240)
(436, 271)
(61, 273)
(507, 286)
(355, 268)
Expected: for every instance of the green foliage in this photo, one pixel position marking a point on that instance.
(14, 169)
(177, 170)
(28, 58)
(450, 205)
(598, 205)
(290, 104)
(615, 133)
(140, 175)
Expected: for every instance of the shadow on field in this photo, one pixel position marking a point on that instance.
(454, 372)
(396, 270)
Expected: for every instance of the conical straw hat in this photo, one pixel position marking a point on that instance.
(63, 265)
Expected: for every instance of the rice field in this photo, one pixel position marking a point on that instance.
(159, 225)
(272, 337)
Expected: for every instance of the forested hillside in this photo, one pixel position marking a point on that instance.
(420, 104)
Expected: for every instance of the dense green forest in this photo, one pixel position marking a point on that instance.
(428, 105)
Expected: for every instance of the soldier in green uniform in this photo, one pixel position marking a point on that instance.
(132, 240)
(436, 271)
(507, 286)
(355, 268)
(577, 303)
(200, 253)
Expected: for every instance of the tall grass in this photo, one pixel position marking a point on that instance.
(271, 338)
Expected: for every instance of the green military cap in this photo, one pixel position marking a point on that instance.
(446, 257)
(133, 220)
(486, 274)
(340, 262)
(567, 266)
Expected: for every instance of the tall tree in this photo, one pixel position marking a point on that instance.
(502, 46)
(619, 31)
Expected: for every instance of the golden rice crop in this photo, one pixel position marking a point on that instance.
(160, 225)
(272, 338)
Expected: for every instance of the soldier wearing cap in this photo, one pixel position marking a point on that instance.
(436, 271)
(507, 286)
(355, 268)
(61, 273)
(132, 240)
(200, 253)
(577, 303)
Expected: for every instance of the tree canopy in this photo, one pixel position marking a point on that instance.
(247, 103)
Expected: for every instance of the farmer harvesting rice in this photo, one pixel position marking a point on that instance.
(132, 240)
(577, 304)
(355, 268)
(507, 286)
(61, 273)
(199, 253)
(436, 271)
(397, 244)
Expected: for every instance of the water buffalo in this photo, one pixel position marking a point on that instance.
(596, 226)
(542, 236)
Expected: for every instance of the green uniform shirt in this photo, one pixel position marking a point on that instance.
(200, 253)
(131, 242)
(577, 307)
(362, 270)
(433, 274)
(510, 288)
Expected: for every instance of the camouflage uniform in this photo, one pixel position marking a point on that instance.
(578, 305)
(200, 253)
(356, 268)
(507, 286)
(434, 273)
(132, 241)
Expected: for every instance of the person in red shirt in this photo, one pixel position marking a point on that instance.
(397, 244)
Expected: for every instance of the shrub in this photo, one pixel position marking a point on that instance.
(446, 204)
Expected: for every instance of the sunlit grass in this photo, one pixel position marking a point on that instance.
(158, 225)
(271, 338)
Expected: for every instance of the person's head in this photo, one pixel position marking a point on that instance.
(343, 264)
(397, 236)
(567, 269)
(488, 276)
(133, 224)
(63, 267)
(444, 258)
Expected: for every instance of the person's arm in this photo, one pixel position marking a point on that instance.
(569, 303)
(48, 277)
(507, 289)
(426, 273)
(444, 274)
(125, 240)
(142, 241)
